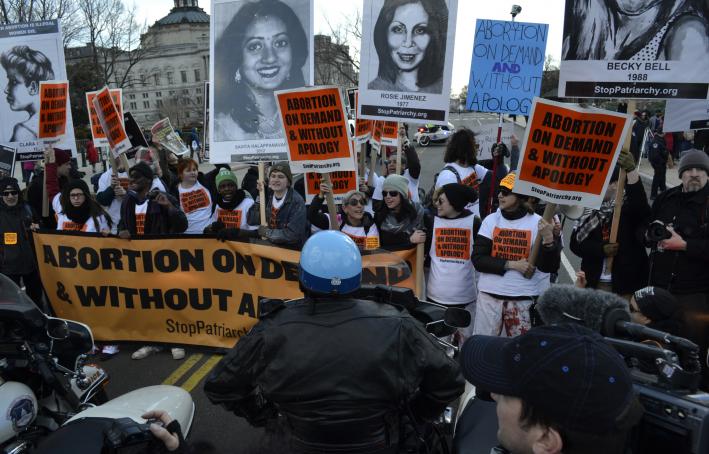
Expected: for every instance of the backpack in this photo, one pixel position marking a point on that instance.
(427, 200)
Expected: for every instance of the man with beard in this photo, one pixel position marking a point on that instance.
(230, 207)
(680, 262)
(146, 212)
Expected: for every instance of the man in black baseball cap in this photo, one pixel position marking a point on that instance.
(558, 388)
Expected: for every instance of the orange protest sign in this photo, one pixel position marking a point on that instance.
(569, 153)
(390, 133)
(452, 243)
(202, 292)
(342, 183)
(111, 122)
(363, 128)
(53, 98)
(377, 131)
(99, 137)
(316, 129)
(511, 244)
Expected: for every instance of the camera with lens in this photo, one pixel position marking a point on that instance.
(657, 231)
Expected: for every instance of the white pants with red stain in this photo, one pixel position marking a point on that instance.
(500, 317)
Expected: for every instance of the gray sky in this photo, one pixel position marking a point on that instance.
(338, 11)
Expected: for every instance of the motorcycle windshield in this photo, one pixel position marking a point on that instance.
(11, 294)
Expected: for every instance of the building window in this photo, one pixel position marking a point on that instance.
(197, 77)
(142, 79)
(131, 96)
(159, 103)
(183, 75)
(172, 92)
(185, 101)
(170, 78)
(145, 96)
(146, 104)
(199, 100)
(198, 89)
(133, 106)
(158, 94)
(187, 114)
(185, 91)
(156, 77)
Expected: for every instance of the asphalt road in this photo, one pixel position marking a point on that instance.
(215, 426)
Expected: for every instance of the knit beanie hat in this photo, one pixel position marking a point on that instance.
(144, 169)
(656, 303)
(225, 175)
(459, 195)
(693, 159)
(61, 156)
(9, 182)
(397, 183)
(282, 167)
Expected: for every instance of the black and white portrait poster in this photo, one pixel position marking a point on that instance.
(407, 60)
(257, 47)
(646, 49)
(686, 114)
(30, 53)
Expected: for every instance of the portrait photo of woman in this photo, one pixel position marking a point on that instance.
(262, 49)
(24, 68)
(636, 30)
(410, 41)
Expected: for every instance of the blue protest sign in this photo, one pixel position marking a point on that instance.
(508, 60)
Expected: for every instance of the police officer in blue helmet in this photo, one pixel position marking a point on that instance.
(340, 374)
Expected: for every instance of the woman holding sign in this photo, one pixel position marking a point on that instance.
(410, 39)
(508, 283)
(267, 49)
(356, 222)
(451, 279)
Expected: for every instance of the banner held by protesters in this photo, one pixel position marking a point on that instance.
(506, 72)
(406, 68)
(208, 292)
(316, 129)
(569, 153)
(53, 106)
(97, 134)
(111, 122)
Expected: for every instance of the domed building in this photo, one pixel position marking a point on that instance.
(169, 79)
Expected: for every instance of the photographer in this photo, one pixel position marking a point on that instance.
(558, 389)
(679, 234)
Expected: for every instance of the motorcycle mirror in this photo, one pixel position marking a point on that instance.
(457, 317)
(57, 329)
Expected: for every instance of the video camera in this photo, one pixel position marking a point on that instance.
(657, 231)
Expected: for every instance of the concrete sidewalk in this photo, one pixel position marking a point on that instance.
(646, 172)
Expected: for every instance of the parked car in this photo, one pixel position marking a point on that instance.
(426, 134)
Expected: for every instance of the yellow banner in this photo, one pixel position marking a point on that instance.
(186, 290)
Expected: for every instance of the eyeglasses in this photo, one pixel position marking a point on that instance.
(77, 195)
(390, 193)
(10, 193)
(353, 202)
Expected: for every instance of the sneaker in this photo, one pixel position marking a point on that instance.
(110, 349)
(144, 352)
(178, 353)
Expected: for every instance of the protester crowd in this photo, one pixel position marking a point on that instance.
(504, 257)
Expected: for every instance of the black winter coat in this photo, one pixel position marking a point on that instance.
(339, 370)
(630, 265)
(159, 220)
(683, 272)
(16, 250)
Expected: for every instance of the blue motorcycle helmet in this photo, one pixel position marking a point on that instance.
(330, 264)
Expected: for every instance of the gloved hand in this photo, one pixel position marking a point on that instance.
(626, 161)
(500, 149)
(610, 249)
(228, 234)
(214, 227)
(262, 229)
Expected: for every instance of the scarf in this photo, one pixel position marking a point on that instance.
(591, 219)
(239, 197)
(79, 214)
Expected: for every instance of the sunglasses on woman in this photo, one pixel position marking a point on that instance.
(390, 193)
(10, 193)
(355, 202)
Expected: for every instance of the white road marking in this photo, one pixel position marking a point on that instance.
(567, 267)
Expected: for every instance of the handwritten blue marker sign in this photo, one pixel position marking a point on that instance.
(508, 60)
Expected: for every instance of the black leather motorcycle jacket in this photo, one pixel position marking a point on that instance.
(341, 371)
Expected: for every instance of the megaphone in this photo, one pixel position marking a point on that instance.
(573, 212)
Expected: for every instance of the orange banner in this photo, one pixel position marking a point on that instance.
(569, 153)
(97, 133)
(511, 244)
(342, 183)
(190, 290)
(390, 133)
(316, 129)
(53, 98)
(111, 122)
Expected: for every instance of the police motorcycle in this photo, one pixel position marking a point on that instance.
(426, 134)
(46, 385)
